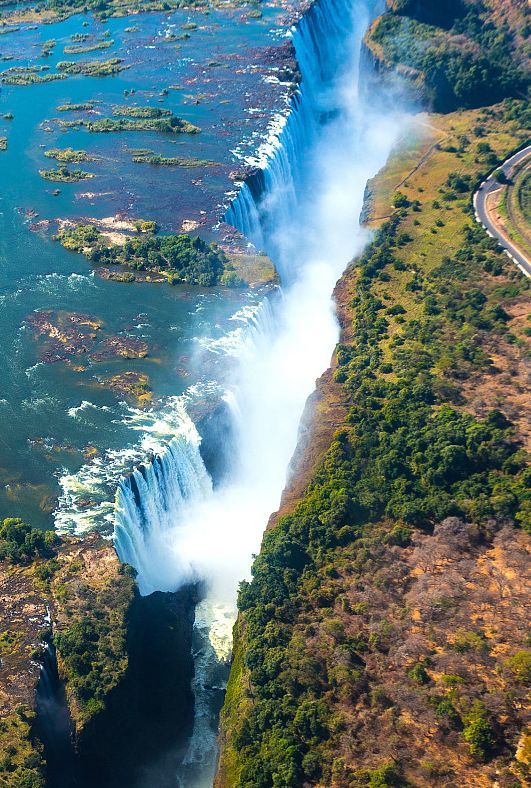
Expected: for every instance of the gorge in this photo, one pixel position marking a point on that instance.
(302, 207)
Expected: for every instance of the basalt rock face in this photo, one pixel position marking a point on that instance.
(218, 441)
(149, 714)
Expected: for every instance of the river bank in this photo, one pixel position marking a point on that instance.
(378, 632)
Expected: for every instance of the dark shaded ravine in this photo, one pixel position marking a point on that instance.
(140, 739)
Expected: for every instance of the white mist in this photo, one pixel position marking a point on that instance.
(308, 221)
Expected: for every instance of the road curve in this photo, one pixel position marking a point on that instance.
(517, 254)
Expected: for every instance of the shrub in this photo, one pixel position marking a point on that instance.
(20, 542)
(478, 731)
(400, 200)
(418, 673)
(519, 665)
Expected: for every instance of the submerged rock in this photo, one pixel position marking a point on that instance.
(64, 335)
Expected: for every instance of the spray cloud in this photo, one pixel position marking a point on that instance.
(303, 210)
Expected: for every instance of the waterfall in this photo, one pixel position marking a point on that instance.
(53, 725)
(271, 195)
(149, 502)
(302, 207)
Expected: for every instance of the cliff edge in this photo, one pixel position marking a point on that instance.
(381, 641)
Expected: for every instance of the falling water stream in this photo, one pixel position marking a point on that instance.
(302, 208)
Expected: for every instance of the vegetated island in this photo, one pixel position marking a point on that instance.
(178, 258)
(142, 156)
(170, 125)
(131, 111)
(68, 155)
(27, 75)
(92, 68)
(383, 638)
(57, 10)
(76, 107)
(63, 175)
(132, 119)
(80, 49)
(31, 75)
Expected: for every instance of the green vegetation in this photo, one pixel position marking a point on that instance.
(519, 665)
(148, 157)
(92, 651)
(170, 125)
(71, 124)
(515, 205)
(81, 238)
(72, 107)
(523, 194)
(89, 595)
(180, 257)
(68, 155)
(21, 761)
(20, 543)
(478, 731)
(462, 57)
(80, 49)
(343, 647)
(90, 634)
(64, 175)
(126, 111)
(92, 68)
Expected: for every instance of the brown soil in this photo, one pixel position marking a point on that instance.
(507, 383)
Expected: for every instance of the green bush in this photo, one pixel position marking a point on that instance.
(19, 542)
(478, 732)
(519, 665)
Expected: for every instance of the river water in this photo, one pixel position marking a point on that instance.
(53, 416)
(256, 356)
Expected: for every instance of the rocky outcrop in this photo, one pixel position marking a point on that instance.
(94, 678)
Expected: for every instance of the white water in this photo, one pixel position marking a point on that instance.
(303, 210)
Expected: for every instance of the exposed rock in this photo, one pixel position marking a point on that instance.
(65, 335)
(124, 347)
(134, 385)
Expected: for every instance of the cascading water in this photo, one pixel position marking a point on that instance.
(302, 207)
(149, 500)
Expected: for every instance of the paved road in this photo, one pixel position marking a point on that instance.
(516, 253)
